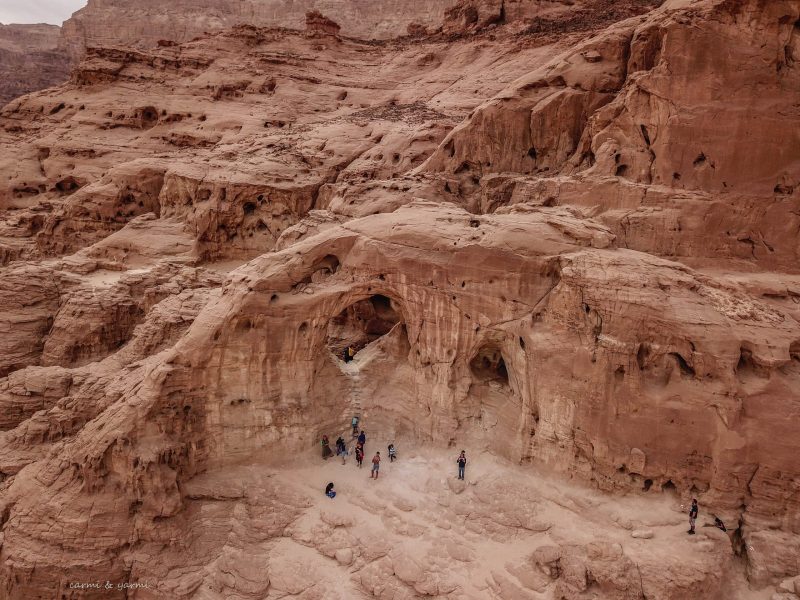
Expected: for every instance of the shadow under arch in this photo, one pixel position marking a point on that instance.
(362, 319)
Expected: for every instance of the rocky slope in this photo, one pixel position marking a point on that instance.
(569, 241)
(30, 59)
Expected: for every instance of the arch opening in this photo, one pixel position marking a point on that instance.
(488, 365)
(362, 323)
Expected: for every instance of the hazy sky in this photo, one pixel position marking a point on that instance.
(38, 11)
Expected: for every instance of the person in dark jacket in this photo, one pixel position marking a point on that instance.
(326, 447)
(462, 464)
(329, 491)
(692, 516)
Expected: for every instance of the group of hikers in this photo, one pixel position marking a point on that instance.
(361, 439)
(461, 461)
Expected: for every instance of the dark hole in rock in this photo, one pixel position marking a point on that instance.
(648, 483)
(641, 355)
(488, 364)
(249, 208)
(700, 160)
(645, 134)
(669, 487)
(362, 323)
(685, 367)
(532, 152)
(67, 185)
(147, 116)
(621, 171)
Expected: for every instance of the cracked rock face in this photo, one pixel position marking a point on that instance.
(563, 236)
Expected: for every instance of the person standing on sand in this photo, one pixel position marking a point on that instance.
(326, 447)
(359, 455)
(362, 438)
(462, 464)
(376, 465)
(392, 453)
(354, 423)
(692, 516)
(339, 445)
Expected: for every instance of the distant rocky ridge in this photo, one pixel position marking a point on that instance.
(142, 24)
(30, 59)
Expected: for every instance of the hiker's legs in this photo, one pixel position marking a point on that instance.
(460, 472)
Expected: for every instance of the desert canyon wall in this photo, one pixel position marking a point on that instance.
(143, 24)
(566, 235)
(30, 59)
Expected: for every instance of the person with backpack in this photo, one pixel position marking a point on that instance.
(359, 455)
(376, 465)
(392, 453)
(462, 464)
(339, 446)
(362, 437)
(692, 516)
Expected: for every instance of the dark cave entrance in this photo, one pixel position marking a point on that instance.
(362, 323)
(488, 365)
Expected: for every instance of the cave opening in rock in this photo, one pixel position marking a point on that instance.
(488, 365)
(362, 323)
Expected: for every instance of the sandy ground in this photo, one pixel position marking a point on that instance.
(417, 531)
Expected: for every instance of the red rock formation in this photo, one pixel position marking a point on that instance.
(144, 23)
(317, 23)
(493, 219)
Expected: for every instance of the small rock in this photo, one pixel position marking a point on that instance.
(335, 520)
(789, 585)
(344, 556)
(642, 534)
(456, 485)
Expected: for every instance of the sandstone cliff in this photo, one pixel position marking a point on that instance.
(30, 59)
(566, 243)
(143, 24)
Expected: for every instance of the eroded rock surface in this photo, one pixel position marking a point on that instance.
(510, 219)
